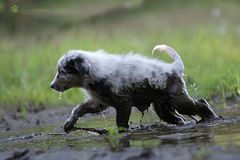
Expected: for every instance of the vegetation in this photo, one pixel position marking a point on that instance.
(206, 35)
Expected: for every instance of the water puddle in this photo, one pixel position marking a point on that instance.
(149, 135)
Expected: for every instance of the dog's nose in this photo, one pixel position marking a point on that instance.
(52, 85)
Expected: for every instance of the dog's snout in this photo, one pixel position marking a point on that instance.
(52, 85)
(55, 86)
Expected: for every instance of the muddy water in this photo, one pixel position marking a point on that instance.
(149, 140)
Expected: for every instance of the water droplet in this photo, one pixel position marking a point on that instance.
(60, 96)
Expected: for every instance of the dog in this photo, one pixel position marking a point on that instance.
(124, 81)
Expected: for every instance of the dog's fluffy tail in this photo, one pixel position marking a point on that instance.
(178, 64)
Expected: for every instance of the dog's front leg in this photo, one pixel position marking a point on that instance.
(81, 109)
(123, 114)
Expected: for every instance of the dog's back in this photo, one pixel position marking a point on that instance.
(124, 70)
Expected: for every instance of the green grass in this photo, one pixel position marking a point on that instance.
(208, 46)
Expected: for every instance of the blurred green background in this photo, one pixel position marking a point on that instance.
(35, 33)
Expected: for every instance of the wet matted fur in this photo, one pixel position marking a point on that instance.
(124, 81)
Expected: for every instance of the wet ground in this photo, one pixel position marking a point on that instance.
(39, 135)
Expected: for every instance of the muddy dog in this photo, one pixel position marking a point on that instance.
(124, 81)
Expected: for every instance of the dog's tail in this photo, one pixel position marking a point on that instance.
(178, 64)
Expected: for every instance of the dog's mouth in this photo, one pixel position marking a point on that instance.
(60, 88)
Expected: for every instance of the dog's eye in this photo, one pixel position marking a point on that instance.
(70, 70)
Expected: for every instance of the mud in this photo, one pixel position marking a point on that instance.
(15, 120)
(39, 135)
(168, 152)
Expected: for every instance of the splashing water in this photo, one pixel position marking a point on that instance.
(105, 120)
(60, 96)
(193, 87)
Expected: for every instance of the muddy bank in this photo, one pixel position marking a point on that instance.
(15, 120)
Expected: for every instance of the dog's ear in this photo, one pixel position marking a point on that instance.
(82, 65)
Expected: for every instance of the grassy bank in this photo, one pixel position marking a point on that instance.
(207, 36)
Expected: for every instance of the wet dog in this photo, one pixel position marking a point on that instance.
(124, 81)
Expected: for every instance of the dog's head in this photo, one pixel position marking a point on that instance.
(72, 70)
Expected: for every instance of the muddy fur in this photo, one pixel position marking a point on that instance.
(124, 81)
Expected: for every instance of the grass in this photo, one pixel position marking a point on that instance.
(208, 45)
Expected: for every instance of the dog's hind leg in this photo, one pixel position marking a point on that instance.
(204, 110)
(184, 104)
(188, 106)
(168, 114)
(81, 109)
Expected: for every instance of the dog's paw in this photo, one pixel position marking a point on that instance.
(68, 125)
(122, 129)
(212, 119)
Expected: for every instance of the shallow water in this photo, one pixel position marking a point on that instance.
(221, 136)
